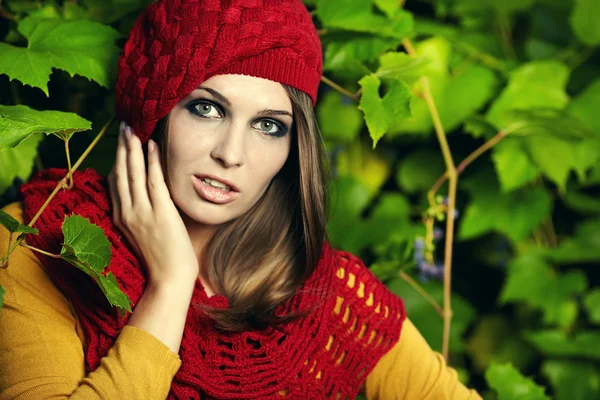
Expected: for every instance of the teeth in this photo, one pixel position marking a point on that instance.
(216, 184)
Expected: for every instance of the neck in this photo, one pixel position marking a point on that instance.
(200, 235)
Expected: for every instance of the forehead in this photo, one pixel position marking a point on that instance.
(251, 91)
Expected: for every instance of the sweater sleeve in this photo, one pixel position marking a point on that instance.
(41, 343)
(412, 370)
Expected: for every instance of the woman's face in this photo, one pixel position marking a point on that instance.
(227, 140)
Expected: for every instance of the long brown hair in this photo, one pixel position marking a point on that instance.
(260, 259)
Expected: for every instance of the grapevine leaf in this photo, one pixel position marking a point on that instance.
(532, 280)
(583, 247)
(426, 318)
(79, 47)
(466, 93)
(18, 162)
(586, 104)
(581, 202)
(573, 380)
(359, 16)
(513, 165)
(400, 66)
(389, 7)
(508, 382)
(537, 84)
(411, 175)
(19, 122)
(85, 242)
(592, 305)
(373, 170)
(347, 55)
(381, 112)
(13, 225)
(87, 248)
(584, 21)
(554, 343)
(339, 119)
(515, 214)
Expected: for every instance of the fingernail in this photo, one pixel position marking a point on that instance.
(128, 132)
(150, 146)
(121, 127)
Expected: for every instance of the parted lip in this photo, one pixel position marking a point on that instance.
(216, 178)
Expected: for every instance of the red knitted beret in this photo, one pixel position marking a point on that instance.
(175, 45)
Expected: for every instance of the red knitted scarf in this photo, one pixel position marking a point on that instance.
(327, 354)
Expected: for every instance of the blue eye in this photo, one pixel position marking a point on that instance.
(204, 109)
(271, 127)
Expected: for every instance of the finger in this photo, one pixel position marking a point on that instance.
(120, 172)
(136, 170)
(114, 198)
(157, 187)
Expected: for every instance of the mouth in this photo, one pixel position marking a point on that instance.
(218, 183)
(215, 190)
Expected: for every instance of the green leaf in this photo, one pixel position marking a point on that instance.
(584, 21)
(15, 226)
(513, 165)
(583, 247)
(2, 291)
(19, 122)
(436, 52)
(370, 167)
(389, 7)
(508, 382)
(87, 248)
(413, 177)
(538, 84)
(581, 202)
(17, 162)
(349, 198)
(85, 242)
(515, 214)
(555, 343)
(531, 280)
(339, 120)
(79, 47)
(466, 93)
(591, 303)
(544, 136)
(572, 379)
(586, 104)
(400, 66)
(380, 113)
(358, 16)
(426, 318)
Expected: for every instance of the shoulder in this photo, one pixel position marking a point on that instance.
(363, 302)
(25, 281)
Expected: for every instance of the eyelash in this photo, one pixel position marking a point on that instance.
(191, 107)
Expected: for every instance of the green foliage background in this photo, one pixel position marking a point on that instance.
(526, 300)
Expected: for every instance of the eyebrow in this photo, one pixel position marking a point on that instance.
(223, 99)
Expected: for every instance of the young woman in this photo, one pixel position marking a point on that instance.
(219, 242)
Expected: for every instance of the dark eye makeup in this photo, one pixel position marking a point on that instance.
(196, 106)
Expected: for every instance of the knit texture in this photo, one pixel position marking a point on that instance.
(176, 45)
(326, 355)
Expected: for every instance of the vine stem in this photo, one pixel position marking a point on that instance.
(60, 185)
(453, 183)
(422, 292)
(70, 173)
(465, 163)
(340, 89)
(40, 250)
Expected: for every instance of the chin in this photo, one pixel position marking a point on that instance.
(206, 213)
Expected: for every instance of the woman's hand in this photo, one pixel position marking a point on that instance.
(144, 211)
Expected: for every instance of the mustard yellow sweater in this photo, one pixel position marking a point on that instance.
(41, 350)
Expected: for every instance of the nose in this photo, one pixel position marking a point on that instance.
(229, 147)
